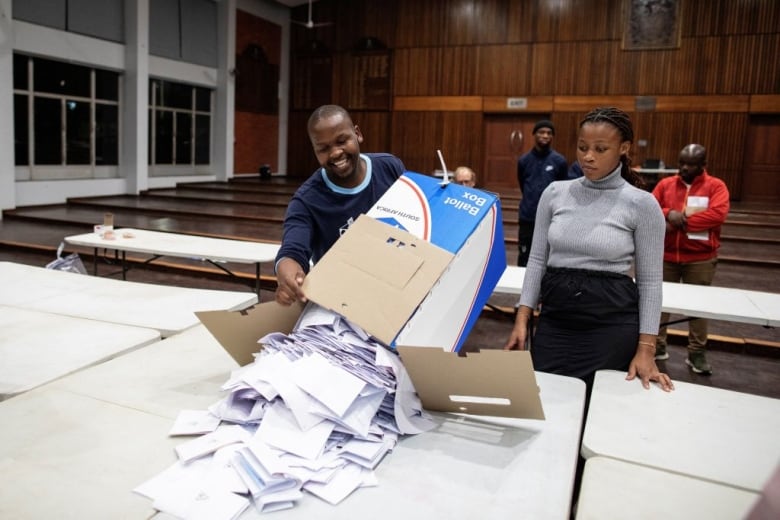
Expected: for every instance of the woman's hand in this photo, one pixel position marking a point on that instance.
(517, 339)
(643, 365)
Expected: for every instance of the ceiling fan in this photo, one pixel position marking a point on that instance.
(309, 24)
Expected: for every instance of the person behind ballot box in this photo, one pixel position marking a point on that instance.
(589, 233)
(464, 176)
(347, 184)
(695, 205)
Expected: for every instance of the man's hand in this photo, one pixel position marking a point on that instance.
(676, 219)
(289, 278)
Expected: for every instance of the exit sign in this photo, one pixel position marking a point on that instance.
(517, 102)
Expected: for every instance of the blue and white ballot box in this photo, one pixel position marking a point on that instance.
(420, 269)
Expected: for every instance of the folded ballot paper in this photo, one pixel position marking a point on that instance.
(313, 414)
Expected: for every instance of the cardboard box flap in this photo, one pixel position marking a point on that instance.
(490, 382)
(376, 276)
(367, 256)
(239, 331)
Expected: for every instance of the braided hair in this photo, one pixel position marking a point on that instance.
(621, 121)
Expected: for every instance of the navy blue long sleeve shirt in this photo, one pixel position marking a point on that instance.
(320, 211)
(535, 171)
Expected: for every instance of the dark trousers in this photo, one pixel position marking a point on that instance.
(525, 235)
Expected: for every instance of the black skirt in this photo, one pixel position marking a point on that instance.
(589, 321)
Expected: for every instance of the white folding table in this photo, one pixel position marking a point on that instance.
(105, 428)
(616, 489)
(39, 347)
(718, 435)
(164, 308)
(215, 251)
(700, 301)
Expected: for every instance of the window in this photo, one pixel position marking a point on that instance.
(179, 127)
(66, 120)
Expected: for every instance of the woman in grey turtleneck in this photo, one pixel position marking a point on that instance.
(591, 234)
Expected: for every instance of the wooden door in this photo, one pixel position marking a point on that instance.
(761, 176)
(507, 137)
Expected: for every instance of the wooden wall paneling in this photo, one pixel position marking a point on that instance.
(765, 104)
(544, 69)
(503, 70)
(725, 17)
(375, 127)
(459, 70)
(300, 156)
(762, 162)
(582, 68)
(415, 136)
(355, 19)
(365, 80)
(420, 24)
(522, 21)
(566, 129)
(765, 64)
(725, 68)
(476, 22)
(702, 103)
(461, 141)
(457, 134)
(499, 104)
(438, 103)
(416, 72)
(624, 76)
(584, 104)
(657, 70)
(594, 20)
(736, 69)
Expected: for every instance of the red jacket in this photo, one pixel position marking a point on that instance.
(673, 194)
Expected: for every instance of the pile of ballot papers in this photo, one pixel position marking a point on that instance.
(316, 412)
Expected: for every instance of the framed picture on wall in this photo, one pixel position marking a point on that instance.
(651, 24)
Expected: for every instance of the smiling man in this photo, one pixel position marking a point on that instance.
(347, 184)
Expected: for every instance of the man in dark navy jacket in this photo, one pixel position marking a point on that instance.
(347, 184)
(536, 169)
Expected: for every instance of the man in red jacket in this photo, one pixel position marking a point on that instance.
(695, 205)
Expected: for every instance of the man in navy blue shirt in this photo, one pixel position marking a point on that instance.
(536, 169)
(346, 185)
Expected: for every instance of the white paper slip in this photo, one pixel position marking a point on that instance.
(340, 486)
(194, 422)
(211, 442)
(337, 389)
(280, 430)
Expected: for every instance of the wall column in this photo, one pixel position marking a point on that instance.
(224, 102)
(134, 162)
(7, 174)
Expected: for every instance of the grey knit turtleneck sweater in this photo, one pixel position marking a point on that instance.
(603, 225)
